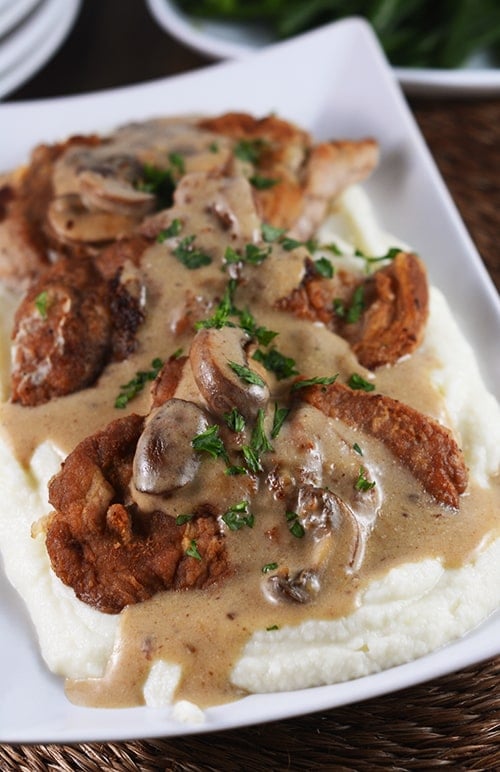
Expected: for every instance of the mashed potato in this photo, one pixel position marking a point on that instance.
(405, 614)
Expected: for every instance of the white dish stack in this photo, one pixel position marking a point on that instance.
(30, 33)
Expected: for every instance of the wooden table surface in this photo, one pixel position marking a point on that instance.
(453, 721)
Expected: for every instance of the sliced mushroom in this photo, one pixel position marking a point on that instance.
(164, 458)
(213, 355)
(114, 194)
(71, 222)
(301, 588)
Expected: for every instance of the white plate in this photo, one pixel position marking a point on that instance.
(12, 12)
(232, 40)
(29, 47)
(354, 93)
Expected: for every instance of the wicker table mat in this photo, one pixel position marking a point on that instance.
(451, 722)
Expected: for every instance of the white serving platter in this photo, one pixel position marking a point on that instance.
(343, 87)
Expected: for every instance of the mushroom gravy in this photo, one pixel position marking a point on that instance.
(327, 509)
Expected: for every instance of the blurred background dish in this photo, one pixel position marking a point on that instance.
(233, 39)
(30, 33)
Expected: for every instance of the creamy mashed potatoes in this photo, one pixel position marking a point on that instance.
(404, 614)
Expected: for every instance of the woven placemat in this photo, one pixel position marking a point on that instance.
(452, 722)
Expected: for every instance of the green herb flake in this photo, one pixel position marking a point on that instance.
(283, 367)
(251, 458)
(318, 381)
(234, 420)
(183, 519)
(270, 234)
(245, 374)
(130, 390)
(210, 442)
(213, 147)
(357, 305)
(250, 150)
(171, 231)
(280, 414)
(42, 303)
(362, 483)
(272, 627)
(189, 256)
(220, 317)
(357, 449)
(324, 267)
(159, 182)
(294, 525)
(256, 255)
(177, 163)
(290, 244)
(262, 183)
(356, 381)
(193, 551)
(259, 442)
(269, 567)
(238, 516)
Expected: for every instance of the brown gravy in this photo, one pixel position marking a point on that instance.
(205, 631)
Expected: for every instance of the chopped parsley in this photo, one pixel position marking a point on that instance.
(294, 525)
(250, 150)
(270, 234)
(262, 183)
(356, 381)
(280, 414)
(210, 442)
(259, 442)
(317, 381)
(272, 627)
(129, 390)
(324, 267)
(351, 313)
(193, 551)
(261, 334)
(234, 420)
(269, 567)
(245, 374)
(357, 449)
(277, 363)
(160, 183)
(252, 254)
(220, 317)
(183, 519)
(389, 255)
(362, 483)
(251, 458)
(238, 516)
(172, 230)
(42, 303)
(214, 147)
(189, 256)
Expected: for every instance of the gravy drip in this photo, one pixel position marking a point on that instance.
(390, 524)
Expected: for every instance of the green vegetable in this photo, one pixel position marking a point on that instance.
(129, 390)
(193, 551)
(356, 381)
(210, 442)
(238, 516)
(413, 33)
(189, 256)
(246, 375)
(42, 303)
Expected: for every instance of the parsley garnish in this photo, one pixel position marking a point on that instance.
(272, 627)
(160, 183)
(259, 441)
(262, 183)
(246, 375)
(129, 390)
(294, 525)
(356, 381)
(192, 550)
(269, 567)
(357, 449)
(362, 483)
(251, 458)
(352, 313)
(271, 234)
(253, 254)
(220, 317)
(214, 147)
(234, 420)
(389, 255)
(238, 516)
(280, 414)
(282, 366)
(172, 230)
(249, 150)
(182, 519)
(189, 256)
(318, 381)
(210, 442)
(42, 303)
(324, 267)
(248, 323)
